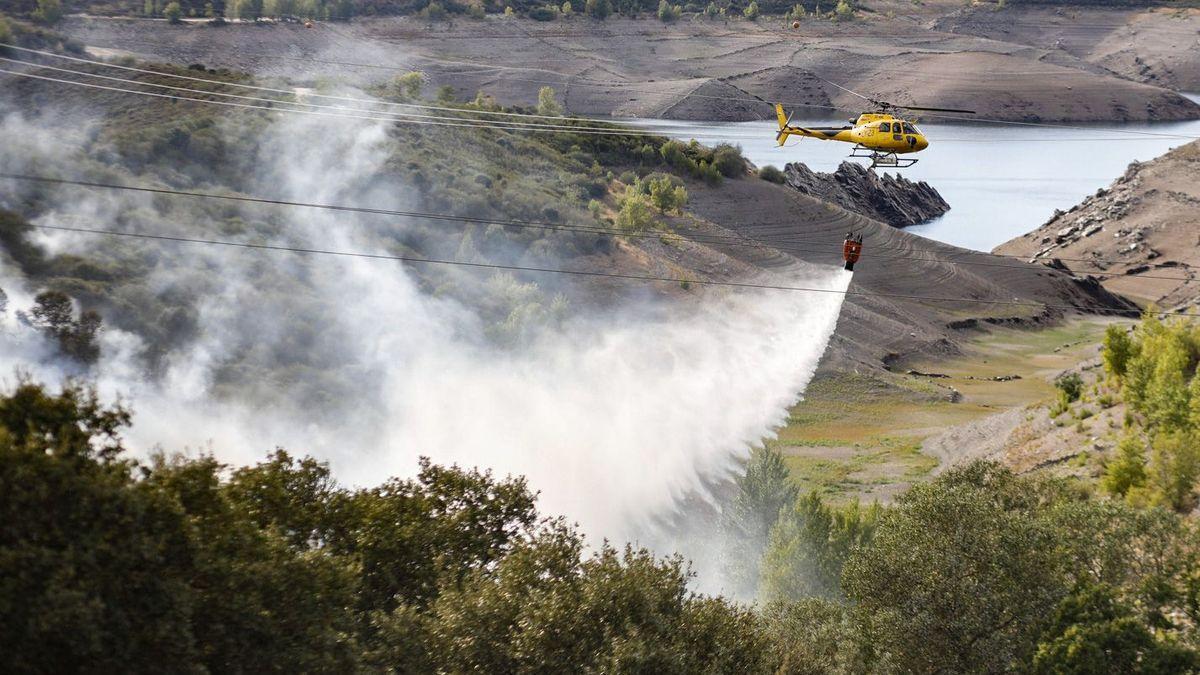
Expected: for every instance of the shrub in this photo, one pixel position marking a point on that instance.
(712, 11)
(54, 314)
(475, 10)
(1128, 469)
(1070, 387)
(1118, 349)
(566, 9)
(636, 214)
(543, 13)
(668, 13)
(547, 105)
(598, 9)
(843, 11)
(434, 11)
(173, 12)
(5, 34)
(48, 12)
(772, 174)
(751, 11)
(728, 160)
(666, 193)
(407, 86)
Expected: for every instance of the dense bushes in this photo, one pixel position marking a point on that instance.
(178, 564)
(182, 564)
(1154, 369)
(277, 564)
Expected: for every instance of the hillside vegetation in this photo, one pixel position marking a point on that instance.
(182, 562)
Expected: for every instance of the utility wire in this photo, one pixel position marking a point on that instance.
(560, 119)
(722, 240)
(399, 116)
(466, 123)
(612, 275)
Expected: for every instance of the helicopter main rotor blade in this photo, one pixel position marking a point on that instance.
(949, 110)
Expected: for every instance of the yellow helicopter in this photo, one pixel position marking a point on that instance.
(879, 136)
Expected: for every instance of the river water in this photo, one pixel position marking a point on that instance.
(1000, 180)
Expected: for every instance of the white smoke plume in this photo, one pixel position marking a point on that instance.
(614, 415)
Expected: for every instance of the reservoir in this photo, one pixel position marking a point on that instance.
(1001, 180)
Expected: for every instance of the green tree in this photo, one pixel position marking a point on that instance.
(1174, 469)
(844, 11)
(173, 12)
(420, 534)
(407, 86)
(598, 9)
(813, 636)
(1092, 631)
(668, 13)
(751, 11)
(760, 494)
(712, 11)
(547, 104)
(54, 314)
(434, 11)
(259, 603)
(809, 546)
(1126, 471)
(48, 12)
(93, 570)
(636, 214)
(1118, 349)
(666, 192)
(960, 574)
(548, 609)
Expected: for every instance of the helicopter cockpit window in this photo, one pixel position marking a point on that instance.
(908, 128)
(885, 127)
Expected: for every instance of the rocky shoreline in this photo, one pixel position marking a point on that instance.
(891, 199)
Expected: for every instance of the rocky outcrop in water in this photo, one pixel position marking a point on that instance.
(891, 199)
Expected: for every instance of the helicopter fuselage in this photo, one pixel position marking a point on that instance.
(882, 132)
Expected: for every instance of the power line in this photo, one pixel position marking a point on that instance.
(466, 123)
(586, 273)
(592, 84)
(233, 104)
(712, 239)
(399, 116)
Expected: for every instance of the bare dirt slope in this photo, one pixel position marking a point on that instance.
(695, 69)
(1154, 45)
(889, 314)
(1141, 235)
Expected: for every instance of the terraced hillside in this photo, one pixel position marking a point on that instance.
(695, 69)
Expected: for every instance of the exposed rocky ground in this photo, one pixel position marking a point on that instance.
(1154, 45)
(893, 199)
(695, 69)
(1140, 236)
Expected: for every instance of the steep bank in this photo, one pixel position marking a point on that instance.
(1139, 235)
(694, 69)
(893, 199)
(1157, 46)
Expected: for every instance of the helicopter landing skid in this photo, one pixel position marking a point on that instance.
(884, 159)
